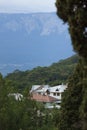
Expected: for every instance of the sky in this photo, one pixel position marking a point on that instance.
(27, 6)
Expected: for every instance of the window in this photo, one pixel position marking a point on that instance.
(58, 94)
(54, 94)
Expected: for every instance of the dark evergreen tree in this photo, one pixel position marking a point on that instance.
(3, 105)
(74, 13)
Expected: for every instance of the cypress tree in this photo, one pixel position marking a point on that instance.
(74, 106)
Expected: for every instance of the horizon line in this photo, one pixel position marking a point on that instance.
(26, 12)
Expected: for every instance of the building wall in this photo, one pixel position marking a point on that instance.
(56, 95)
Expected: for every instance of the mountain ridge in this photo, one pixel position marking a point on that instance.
(29, 18)
(34, 39)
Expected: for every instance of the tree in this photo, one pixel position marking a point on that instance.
(74, 13)
(3, 105)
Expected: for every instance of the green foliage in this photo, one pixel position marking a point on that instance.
(74, 13)
(55, 74)
(71, 101)
(27, 114)
(22, 115)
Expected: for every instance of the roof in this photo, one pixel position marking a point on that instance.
(43, 98)
(44, 88)
(59, 88)
(39, 88)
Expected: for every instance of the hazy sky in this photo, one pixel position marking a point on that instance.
(27, 6)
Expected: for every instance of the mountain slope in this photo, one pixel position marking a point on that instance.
(55, 74)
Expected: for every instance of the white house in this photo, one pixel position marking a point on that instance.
(49, 95)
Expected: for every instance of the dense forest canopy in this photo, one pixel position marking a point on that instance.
(74, 105)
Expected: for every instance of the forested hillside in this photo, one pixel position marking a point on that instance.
(55, 74)
(21, 115)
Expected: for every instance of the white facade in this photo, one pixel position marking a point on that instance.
(54, 92)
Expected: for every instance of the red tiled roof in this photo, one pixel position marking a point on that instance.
(42, 98)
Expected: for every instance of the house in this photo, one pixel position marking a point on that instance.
(50, 96)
